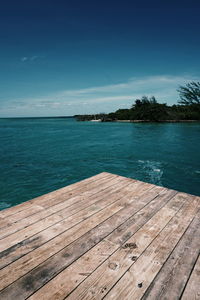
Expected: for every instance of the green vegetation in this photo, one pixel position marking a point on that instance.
(190, 94)
(101, 116)
(148, 109)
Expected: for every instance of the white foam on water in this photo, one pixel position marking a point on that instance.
(4, 205)
(153, 170)
(157, 170)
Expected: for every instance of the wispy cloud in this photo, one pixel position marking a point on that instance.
(163, 87)
(34, 57)
(103, 98)
(30, 58)
(24, 58)
(144, 85)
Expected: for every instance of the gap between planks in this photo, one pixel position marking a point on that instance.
(147, 216)
(67, 203)
(39, 257)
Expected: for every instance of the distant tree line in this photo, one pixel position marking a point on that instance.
(100, 116)
(148, 109)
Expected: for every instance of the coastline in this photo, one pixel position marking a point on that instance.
(151, 121)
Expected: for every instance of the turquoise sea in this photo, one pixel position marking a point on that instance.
(39, 155)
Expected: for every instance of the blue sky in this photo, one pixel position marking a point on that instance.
(73, 57)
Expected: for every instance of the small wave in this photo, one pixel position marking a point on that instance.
(4, 205)
(157, 170)
(153, 170)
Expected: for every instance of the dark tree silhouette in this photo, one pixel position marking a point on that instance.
(190, 94)
(147, 108)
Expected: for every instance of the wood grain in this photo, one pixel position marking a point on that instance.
(34, 206)
(192, 290)
(106, 237)
(138, 278)
(173, 276)
(28, 244)
(58, 288)
(44, 198)
(69, 203)
(36, 257)
(102, 280)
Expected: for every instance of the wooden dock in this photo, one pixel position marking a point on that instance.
(106, 237)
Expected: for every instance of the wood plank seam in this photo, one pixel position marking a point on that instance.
(90, 216)
(56, 212)
(63, 231)
(57, 222)
(111, 233)
(5, 212)
(53, 198)
(84, 234)
(100, 229)
(97, 225)
(189, 276)
(192, 288)
(166, 280)
(137, 232)
(153, 242)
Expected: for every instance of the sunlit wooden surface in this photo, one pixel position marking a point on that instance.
(106, 237)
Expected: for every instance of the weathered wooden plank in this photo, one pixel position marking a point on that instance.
(4, 222)
(28, 282)
(90, 233)
(171, 280)
(59, 287)
(60, 233)
(77, 191)
(49, 196)
(71, 205)
(192, 290)
(140, 275)
(52, 202)
(102, 280)
(49, 202)
(105, 237)
(25, 246)
(32, 209)
(45, 223)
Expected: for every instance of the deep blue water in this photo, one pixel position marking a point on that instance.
(41, 155)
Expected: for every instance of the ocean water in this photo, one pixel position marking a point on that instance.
(40, 155)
